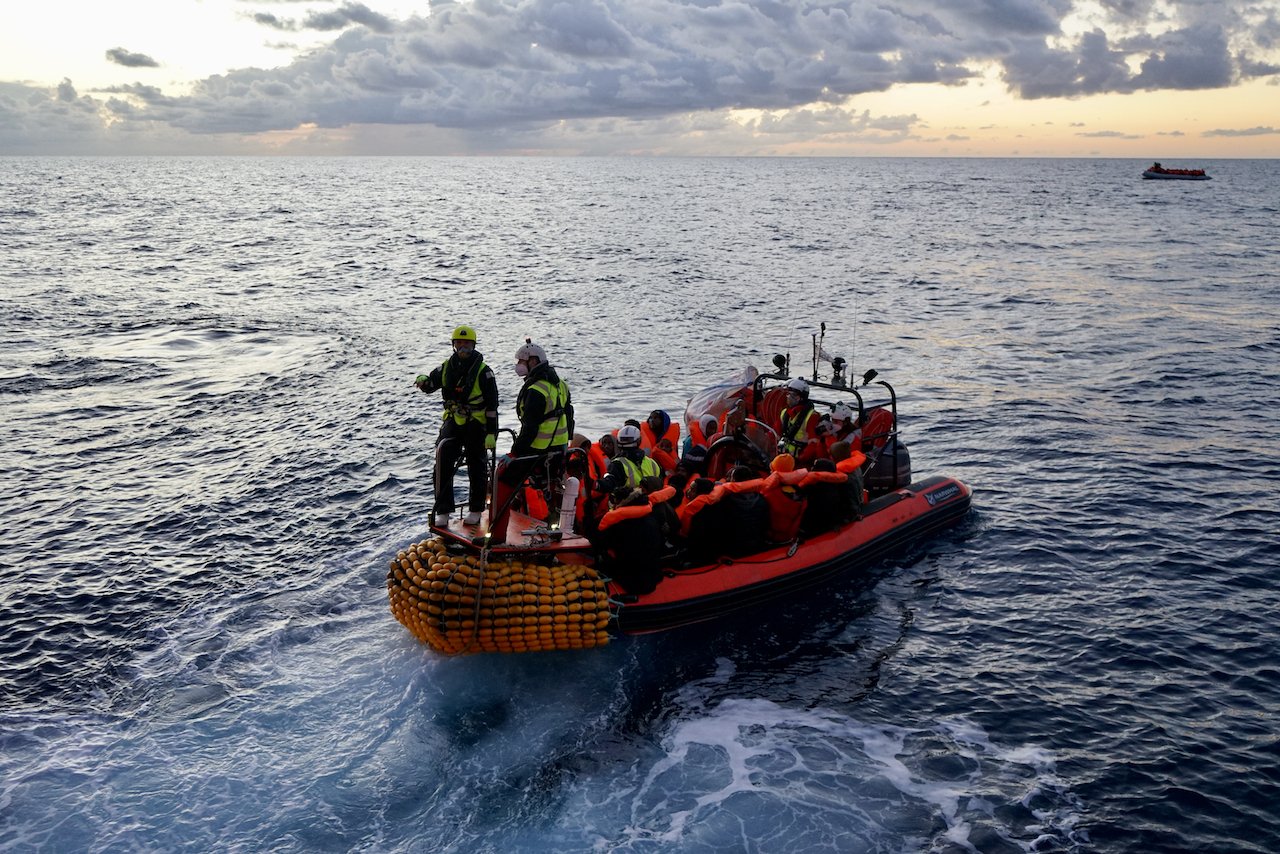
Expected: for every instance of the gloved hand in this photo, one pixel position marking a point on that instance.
(421, 380)
(490, 441)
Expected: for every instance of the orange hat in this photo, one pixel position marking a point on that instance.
(783, 463)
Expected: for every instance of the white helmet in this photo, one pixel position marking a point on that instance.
(629, 436)
(528, 349)
(842, 412)
(798, 386)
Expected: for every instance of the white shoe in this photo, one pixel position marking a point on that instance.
(442, 520)
(472, 518)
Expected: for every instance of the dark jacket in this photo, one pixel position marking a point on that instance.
(455, 379)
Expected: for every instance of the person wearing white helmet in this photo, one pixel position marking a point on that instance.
(800, 437)
(844, 428)
(630, 466)
(470, 426)
(545, 409)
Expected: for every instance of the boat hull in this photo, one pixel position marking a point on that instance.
(1173, 176)
(708, 593)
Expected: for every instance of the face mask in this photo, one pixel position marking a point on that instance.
(522, 370)
(464, 351)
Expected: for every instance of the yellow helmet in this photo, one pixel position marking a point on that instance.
(464, 333)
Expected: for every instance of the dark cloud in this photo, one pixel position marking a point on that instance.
(1192, 58)
(120, 56)
(1253, 68)
(269, 20)
(346, 15)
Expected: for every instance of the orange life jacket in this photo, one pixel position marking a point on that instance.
(689, 509)
(852, 463)
(786, 509)
(636, 511)
(648, 441)
(597, 462)
(666, 460)
(535, 504)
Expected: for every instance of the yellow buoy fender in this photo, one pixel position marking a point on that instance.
(463, 604)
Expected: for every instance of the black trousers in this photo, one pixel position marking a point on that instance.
(544, 470)
(455, 441)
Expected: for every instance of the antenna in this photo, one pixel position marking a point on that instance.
(853, 356)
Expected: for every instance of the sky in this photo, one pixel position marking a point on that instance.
(1172, 80)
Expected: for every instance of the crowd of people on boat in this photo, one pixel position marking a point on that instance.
(1158, 169)
(646, 498)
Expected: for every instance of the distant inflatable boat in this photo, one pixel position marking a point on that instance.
(1160, 173)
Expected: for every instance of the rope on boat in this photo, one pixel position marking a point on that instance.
(459, 604)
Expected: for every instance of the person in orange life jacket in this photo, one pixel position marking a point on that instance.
(665, 510)
(664, 454)
(844, 427)
(700, 521)
(470, 426)
(746, 514)
(830, 500)
(800, 436)
(693, 454)
(630, 466)
(723, 455)
(786, 502)
(632, 541)
(660, 436)
(601, 453)
(545, 410)
(725, 519)
(598, 456)
(700, 432)
(577, 465)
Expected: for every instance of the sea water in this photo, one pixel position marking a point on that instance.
(212, 447)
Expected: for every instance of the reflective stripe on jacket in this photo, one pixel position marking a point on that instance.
(553, 431)
(456, 405)
(647, 467)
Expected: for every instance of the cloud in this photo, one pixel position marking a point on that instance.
(1107, 134)
(269, 20)
(39, 120)
(1257, 131)
(346, 15)
(510, 62)
(1190, 58)
(517, 69)
(502, 62)
(120, 56)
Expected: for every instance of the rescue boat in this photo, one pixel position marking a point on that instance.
(1158, 172)
(547, 587)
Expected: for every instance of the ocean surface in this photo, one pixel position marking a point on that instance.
(212, 447)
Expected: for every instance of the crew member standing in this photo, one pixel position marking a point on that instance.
(470, 427)
(545, 410)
